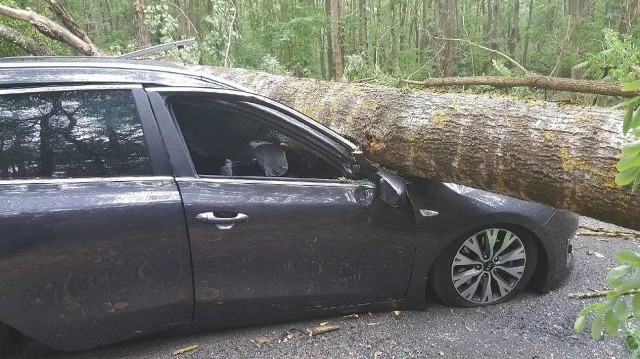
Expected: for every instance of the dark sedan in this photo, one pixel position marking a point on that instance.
(138, 198)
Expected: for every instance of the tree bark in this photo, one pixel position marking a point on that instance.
(143, 37)
(50, 29)
(336, 18)
(331, 67)
(31, 46)
(67, 20)
(563, 156)
(531, 80)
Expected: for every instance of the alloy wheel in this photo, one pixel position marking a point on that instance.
(488, 265)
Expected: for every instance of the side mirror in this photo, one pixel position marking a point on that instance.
(393, 188)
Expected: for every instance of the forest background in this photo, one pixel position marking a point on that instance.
(383, 41)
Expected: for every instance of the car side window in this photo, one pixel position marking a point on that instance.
(225, 140)
(70, 134)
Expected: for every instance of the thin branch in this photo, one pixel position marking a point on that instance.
(466, 41)
(50, 29)
(531, 80)
(598, 294)
(31, 46)
(67, 20)
(185, 16)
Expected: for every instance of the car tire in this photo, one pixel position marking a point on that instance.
(486, 266)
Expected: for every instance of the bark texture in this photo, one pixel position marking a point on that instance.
(143, 37)
(50, 29)
(67, 20)
(561, 156)
(31, 46)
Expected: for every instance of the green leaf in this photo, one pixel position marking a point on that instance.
(580, 323)
(628, 176)
(631, 148)
(636, 183)
(632, 86)
(616, 275)
(628, 162)
(591, 308)
(626, 123)
(627, 256)
(611, 322)
(635, 119)
(635, 305)
(636, 131)
(622, 311)
(596, 329)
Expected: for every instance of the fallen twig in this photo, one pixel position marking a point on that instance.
(321, 329)
(190, 348)
(588, 232)
(598, 294)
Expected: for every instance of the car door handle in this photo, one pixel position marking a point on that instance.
(221, 222)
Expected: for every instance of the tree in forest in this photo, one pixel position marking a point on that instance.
(338, 57)
(143, 38)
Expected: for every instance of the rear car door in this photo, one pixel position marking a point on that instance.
(290, 238)
(93, 244)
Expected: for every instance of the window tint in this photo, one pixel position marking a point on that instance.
(227, 141)
(71, 134)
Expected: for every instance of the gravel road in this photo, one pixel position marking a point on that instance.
(530, 326)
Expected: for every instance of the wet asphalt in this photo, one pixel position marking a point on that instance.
(529, 326)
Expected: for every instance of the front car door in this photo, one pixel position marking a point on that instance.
(286, 234)
(93, 244)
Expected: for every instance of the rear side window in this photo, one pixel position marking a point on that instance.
(70, 134)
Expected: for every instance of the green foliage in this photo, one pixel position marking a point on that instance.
(162, 24)
(618, 314)
(617, 60)
(629, 164)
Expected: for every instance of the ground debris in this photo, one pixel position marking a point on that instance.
(351, 316)
(599, 233)
(321, 329)
(188, 349)
(597, 294)
(396, 313)
(259, 342)
(288, 335)
(466, 326)
(596, 254)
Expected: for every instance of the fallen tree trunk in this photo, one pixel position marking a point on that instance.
(561, 156)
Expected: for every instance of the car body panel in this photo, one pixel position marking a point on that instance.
(305, 246)
(72, 279)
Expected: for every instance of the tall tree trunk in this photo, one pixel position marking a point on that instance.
(514, 32)
(525, 51)
(628, 16)
(331, 67)
(336, 18)
(140, 25)
(364, 43)
(563, 156)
